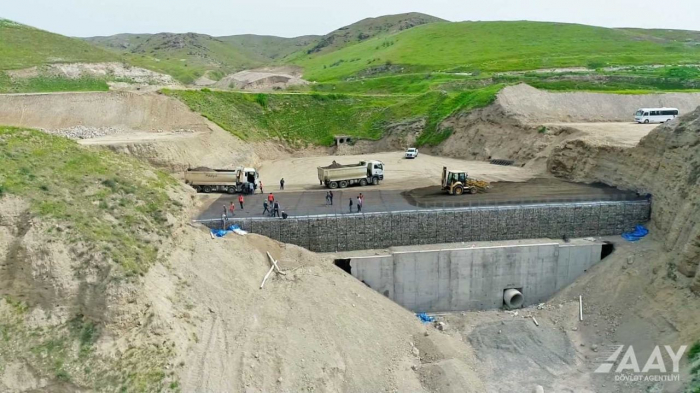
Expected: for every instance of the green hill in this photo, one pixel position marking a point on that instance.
(495, 46)
(184, 56)
(269, 48)
(368, 28)
(23, 46)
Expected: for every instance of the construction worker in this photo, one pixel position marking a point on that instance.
(265, 208)
(282, 184)
(330, 196)
(225, 212)
(276, 209)
(260, 185)
(232, 208)
(359, 204)
(270, 199)
(240, 200)
(350, 205)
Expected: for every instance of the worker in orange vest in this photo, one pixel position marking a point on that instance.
(240, 200)
(270, 198)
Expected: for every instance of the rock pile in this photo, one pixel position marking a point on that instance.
(83, 132)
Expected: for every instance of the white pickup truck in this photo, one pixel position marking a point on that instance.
(412, 152)
(362, 173)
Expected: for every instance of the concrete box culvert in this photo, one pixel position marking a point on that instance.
(513, 298)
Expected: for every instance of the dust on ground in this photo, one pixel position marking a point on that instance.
(300, 173)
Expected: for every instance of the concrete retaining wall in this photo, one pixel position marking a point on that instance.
(347, 232)
(474, 278)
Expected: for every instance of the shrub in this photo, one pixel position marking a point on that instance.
(261, 99)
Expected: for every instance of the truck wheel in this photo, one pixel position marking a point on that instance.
(231, 190)
(375, 180)
(363, 182)
(207, 189)
(459, 190)
(471, 190)
(343, 184)
(198, 188)
(333, 185)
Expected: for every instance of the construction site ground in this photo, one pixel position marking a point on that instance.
(300, 173)
(538, 190)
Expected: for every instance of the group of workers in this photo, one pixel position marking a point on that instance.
(271, 206)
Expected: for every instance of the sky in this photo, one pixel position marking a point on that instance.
(289, 18)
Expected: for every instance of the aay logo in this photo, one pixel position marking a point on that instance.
(629, 360)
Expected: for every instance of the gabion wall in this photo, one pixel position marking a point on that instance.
(347, 232)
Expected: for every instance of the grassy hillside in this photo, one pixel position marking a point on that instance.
(88, 189)
(269, 48)
(495, 46)
(301, 119)
(368, 28)
(184, 56)
(22, 46)
(100, 217)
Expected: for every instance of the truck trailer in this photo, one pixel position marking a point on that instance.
(239, 180)
(362, 173)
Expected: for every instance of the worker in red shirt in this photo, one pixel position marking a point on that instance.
(270, 198)
(240, 200)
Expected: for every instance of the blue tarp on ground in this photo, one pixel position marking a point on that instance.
(425, 318)
(638, 233)
(224, 232)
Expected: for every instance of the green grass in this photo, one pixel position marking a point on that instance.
(108, 202)
(496, 46)
(400, 84)
(23, 46)
(47, 84)
(316, 118)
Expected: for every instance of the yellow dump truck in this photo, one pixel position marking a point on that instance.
(457, 182)
(239, 180)
(363, 173)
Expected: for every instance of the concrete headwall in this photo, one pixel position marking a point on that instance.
(474, 278)
(347, 232)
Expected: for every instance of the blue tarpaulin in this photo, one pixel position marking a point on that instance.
(638, 233)
(425, 318)
(224, 232)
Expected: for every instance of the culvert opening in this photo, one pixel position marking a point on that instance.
(606, 249)
(513, 298)
(344, 264)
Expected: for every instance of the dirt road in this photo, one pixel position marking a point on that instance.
(399, 173)
(619, 134)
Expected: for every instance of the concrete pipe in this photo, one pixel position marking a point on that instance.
(512, 298)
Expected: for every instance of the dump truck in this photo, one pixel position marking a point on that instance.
(457, 182)
(362, 173)
(239, 180)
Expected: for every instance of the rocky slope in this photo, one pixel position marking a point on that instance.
(665, 164)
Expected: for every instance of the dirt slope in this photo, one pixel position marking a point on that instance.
(129, 116)
(665, 164)
(531, 105)
(314, 329)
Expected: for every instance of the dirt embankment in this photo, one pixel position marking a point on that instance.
(530, 105)
(665, 164)
(155, 127)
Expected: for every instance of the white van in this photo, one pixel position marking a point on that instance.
(655, 115)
